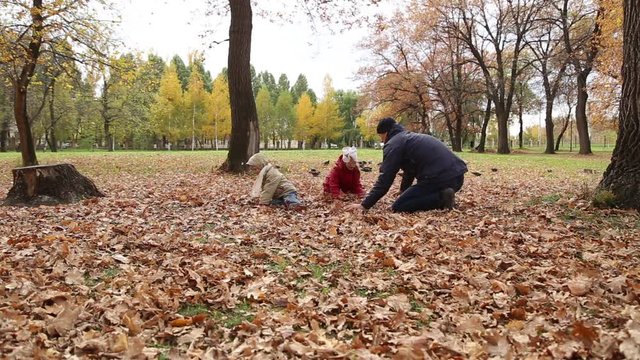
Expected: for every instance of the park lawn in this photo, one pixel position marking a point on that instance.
(177, 262)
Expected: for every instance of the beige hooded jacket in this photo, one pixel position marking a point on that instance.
(270, 183)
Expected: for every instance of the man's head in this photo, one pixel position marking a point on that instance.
(384, 126)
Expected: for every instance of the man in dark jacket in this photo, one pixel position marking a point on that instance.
(438, 171)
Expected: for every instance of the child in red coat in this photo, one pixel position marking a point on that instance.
(345, 176)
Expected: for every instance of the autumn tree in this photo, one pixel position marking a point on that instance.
(525, 100)
(580, 27)
(395, 75)
(284, 117)
(195, 104)
(495, 34)
(547, 46)
(167, 114)
(264, 108)
(31, 28)
(116, 95)
(304, 116)
(349, 112)
(622, 176)
(5, 115)
(299, 87)
(326, 123)
(245, 132)
(219, 110)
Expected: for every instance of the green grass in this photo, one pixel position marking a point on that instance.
(193, 309)
(100, 163)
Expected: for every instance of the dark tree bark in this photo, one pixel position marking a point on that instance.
(582, 124)
(51, 130)
(485, 124)
(521, 122)
(565, 125)
(4, 135)
(245, 137)
(582, 58)
(27, 145)
(622, 176)
(107, 116)
(49, 185)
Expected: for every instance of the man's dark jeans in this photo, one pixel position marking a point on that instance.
(425, 195)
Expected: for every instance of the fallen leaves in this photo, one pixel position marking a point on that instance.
(185, 267)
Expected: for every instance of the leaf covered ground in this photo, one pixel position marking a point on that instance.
(177, 263)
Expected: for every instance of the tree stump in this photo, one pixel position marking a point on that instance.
(49, 185)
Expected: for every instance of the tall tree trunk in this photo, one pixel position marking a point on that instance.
(108, 136)
(27, 145)
(548, 122)
(245, 133)
(565, 125)
(4, 134)
(582, 124)
(502, 117)
(447, 118)
(51, 136)
(521, 122)
(485, 124)
(456, 141)
(622, 176)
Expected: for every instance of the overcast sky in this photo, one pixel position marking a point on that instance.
(174, 27)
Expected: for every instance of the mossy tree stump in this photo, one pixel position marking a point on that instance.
(49, 185)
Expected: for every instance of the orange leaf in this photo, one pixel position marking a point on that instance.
(523, 289)
(181, 322)
(518, 314)
(199, 318)
(587, 335)
(389, 262)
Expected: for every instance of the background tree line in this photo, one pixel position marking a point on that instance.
(131, 102)
(457, 69)
(463, 71)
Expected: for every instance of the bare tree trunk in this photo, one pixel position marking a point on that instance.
(27, 145)
(548, 122)
(51, 136)
(622, 176)
(4, 135)
(485, 124)
(582, 124)
(503, 130)
(521, 122)
(245, 133)
(565, 125)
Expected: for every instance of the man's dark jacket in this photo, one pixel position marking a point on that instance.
(420, 156)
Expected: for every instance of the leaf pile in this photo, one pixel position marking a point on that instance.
(176, 262)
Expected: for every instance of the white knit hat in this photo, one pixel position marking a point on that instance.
(349, 153)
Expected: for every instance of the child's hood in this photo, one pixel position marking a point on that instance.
(257, 160)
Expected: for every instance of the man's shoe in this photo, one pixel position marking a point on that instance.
(447, 198)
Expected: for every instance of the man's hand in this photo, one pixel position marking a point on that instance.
(355, 207)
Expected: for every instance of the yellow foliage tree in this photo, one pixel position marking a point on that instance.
(195, 106)
(326, 122)
(167, 114)
(219, 111)
(368, 121)
(304, 115)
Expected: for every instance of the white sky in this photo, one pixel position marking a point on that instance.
(172, 27)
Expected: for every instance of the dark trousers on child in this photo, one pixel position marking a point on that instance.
(425, 195)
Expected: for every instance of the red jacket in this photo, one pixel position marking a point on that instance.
(342, 179)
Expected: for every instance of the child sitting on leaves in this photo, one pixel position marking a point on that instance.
(344, 178)
(271, 187)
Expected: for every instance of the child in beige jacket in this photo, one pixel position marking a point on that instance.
(271, 187)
